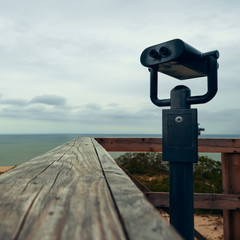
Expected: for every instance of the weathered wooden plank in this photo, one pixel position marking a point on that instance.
(226, 145)
(59, 195)
(139, 217)
(76, 191)
(201, 200)
(131, 144)
(155, 144)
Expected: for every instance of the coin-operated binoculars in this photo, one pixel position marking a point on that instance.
(180, 127)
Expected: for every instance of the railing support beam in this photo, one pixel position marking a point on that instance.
(231, 185)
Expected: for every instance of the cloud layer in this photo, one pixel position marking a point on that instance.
(78, 62)
(96, 118)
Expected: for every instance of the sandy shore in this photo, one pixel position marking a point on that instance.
(210, 226)
(4, 169)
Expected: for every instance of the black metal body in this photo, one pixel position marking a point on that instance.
(180, 132)
(175, 58)
(180, 143)
(180, 126)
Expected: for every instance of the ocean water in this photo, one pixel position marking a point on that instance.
(17, 149)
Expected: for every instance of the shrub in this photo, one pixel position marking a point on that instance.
(207, 172)
(143, 163)
(207, 176)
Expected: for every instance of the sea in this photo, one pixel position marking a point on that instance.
(16, 149)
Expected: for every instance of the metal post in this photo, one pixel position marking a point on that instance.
(181, 198)
(180, 149)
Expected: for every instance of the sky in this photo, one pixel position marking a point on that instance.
(74, 66)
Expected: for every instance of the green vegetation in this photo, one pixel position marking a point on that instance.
(207, 176)
(149, 169)
(149, 164)
(153, 173)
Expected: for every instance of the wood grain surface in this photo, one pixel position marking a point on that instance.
(207, 145)
(201, 200)
(75, 191)
(140, 218)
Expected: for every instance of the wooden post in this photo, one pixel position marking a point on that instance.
(231, 184)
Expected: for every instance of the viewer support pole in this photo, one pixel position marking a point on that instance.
(181, 198)
(180, 149)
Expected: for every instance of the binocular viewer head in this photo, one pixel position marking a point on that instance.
(177, 59)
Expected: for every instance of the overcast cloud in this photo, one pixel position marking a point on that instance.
(73, 66)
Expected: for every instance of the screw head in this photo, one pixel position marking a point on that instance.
(178, 119)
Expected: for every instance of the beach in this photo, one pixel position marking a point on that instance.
(210, 226)
(4, 169)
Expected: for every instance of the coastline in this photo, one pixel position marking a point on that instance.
(4, 169)
(16, 149)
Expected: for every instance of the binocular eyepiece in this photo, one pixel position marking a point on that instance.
(177, 59)
(163, 52)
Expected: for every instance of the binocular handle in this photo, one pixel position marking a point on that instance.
(212, 84)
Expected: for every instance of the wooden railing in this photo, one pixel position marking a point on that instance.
(76, 191)
(229, 201)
